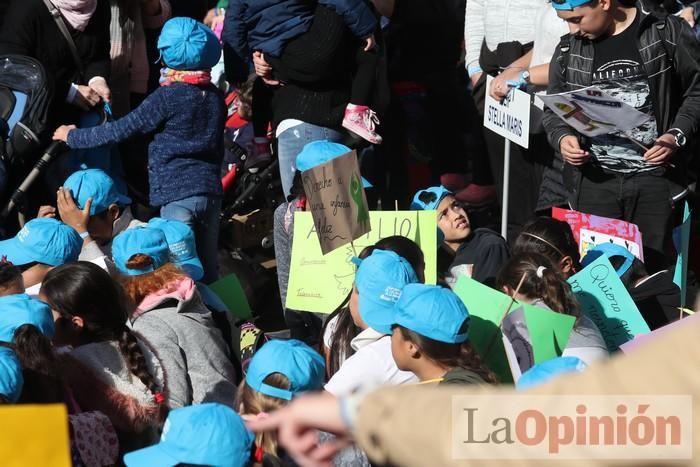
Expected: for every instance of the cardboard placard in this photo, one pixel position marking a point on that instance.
(337, 201)
(320, 283)
(590, 230)
(605, 300)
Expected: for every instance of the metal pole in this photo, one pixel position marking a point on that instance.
(506, 183)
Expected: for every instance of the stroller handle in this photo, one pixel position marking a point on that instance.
(54, 149)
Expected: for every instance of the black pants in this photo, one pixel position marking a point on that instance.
(643, 199)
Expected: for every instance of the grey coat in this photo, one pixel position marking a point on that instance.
(191, 350)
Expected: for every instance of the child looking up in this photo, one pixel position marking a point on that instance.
(430, 337)
(186, 115)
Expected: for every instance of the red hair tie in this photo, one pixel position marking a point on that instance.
(159, 398)
(258, 454)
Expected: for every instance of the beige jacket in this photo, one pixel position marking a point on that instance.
(411, 426)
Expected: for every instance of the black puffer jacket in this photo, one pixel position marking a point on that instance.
(671, 55)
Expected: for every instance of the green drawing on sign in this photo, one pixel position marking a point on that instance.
(356, 195)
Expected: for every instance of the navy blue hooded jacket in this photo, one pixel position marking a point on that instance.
(267, 25)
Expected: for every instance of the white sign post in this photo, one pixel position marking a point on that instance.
(509, 118)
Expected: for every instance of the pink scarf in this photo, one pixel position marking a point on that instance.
(77, 13)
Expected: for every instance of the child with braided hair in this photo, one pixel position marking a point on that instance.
(544, 285)
(108, 368)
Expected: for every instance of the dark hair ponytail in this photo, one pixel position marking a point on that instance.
(43, 383)
(541, 280)
(450, 355)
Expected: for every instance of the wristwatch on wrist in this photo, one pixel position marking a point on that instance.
(678, 136)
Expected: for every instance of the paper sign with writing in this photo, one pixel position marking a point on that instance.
(682, 234)
(34, 435)
(589, 229)
(604, 299)
(337, 201)
(320, 283)
(592, 112)
(509, 118)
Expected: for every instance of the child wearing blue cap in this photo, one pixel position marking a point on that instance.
(186, 114)
(379, 282)
(278, 372)
(38, 247)
(206, 434)
(430, 337)
(90, 202)
(477, 253)
(544, 285)
(166, 309)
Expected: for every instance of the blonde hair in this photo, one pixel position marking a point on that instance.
(251, 402)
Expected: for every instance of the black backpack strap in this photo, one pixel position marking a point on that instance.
(564, 49)
(56, 15)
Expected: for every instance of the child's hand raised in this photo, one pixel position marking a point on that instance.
(61, 133)
(370, 43)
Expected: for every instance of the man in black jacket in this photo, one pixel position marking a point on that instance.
(650, 61)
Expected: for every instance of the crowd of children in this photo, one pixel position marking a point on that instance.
(113, 316)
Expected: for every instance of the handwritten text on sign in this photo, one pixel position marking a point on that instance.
(605, 300)
(320, 283)
(509, 118)
(337, 201)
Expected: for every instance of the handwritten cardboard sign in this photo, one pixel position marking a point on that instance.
(590, 230)
(34, 435)
(320, 283)
(337, 201)
(510, 117)
(604, 299)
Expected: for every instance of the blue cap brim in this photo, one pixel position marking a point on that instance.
(152, 456)
(569, 5)
(193, 268)
(15, 252)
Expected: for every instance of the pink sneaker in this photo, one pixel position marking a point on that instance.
(362, 120)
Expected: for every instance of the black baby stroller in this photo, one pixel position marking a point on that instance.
(25, 96)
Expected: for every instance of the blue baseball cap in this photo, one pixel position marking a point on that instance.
(546, 371)
(433, 312)
(20, 309)
(609, 250)
(379, 280)
(302, 365)
(11, 380)
(44, 240)
(568, 4)
(319, 152)
(181, 242)
(140, 240)
(95, 184)
(186, 44)
(435, 194)
(205, 434)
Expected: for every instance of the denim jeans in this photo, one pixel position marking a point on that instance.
(290, 143)
(642, 199)
(202, 214)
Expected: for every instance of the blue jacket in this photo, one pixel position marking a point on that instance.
(267, 25)
(185, 155)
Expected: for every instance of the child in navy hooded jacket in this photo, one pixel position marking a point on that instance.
(186, 116)
(268, 25)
